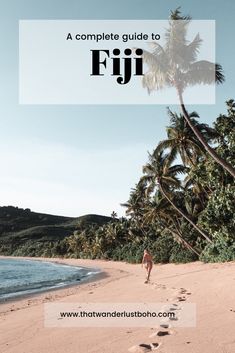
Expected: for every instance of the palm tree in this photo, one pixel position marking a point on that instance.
(159, 173)
(114, 215)
(201, 192)
(159, 210)
(175, 65)
(135, 206)
(182, 139)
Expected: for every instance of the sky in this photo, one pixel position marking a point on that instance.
(72, 159)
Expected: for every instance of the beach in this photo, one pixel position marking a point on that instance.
(210, 286)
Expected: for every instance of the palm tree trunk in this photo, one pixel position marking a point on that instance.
(183, 241)
(200, 137)
(183, 214)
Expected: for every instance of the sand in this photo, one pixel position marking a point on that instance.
(210, 286)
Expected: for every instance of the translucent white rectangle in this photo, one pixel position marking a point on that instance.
(119, 314)
(55, 69)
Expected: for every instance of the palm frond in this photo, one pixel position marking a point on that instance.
(171, 156)
(163, 145)
(154, 81)
(170, 184)
(158, 50)
(176, 15)
(177, 169)
(202, 72)
(155, 61)
(220, 78)
(188, 182)
(192, 49)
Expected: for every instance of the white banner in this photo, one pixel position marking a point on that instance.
(119, 314)
(101, 62)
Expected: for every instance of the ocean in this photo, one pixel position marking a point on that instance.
(22, 277)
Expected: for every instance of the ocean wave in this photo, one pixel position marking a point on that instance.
(31, 276)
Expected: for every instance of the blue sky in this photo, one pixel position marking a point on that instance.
(73, 160)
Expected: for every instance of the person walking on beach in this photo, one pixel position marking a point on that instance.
(147, 261)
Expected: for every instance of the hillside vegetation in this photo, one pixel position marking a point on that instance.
(27, 233)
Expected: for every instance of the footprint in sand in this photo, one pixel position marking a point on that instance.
(161, 334)
(184, 291)
(158, 286)
(173, 318)
(144, 348)
(165, 326)
(181, 299)
(180, 295)
(170, 308)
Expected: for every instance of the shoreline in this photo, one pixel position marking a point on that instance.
(210, 286)
(93, 277)
(58, 261)
(30, 299)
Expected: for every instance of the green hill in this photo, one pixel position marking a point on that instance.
(22, 229)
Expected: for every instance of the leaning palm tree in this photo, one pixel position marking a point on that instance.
(175, 65)
(182, 139)
(159, 173)
(159, 210)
